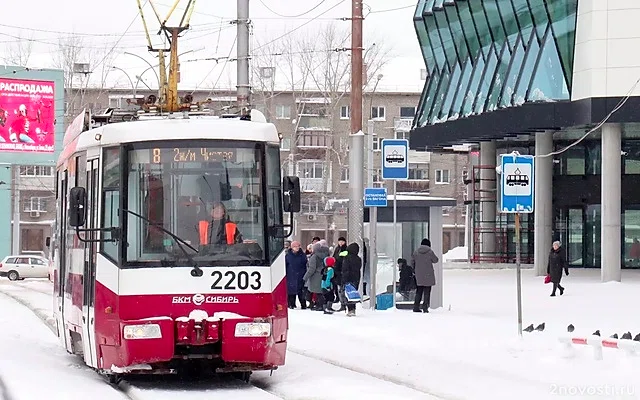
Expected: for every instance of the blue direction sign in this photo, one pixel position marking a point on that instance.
(375, 197)
(395, 154)
(517, 183)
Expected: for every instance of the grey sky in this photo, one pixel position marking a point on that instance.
(101, 27)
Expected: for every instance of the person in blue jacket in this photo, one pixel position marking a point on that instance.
(328, 284)
(296, 263)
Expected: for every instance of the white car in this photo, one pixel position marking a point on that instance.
(24, 266)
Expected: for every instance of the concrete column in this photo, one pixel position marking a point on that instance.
(543, 208)
(5, 217)
(435, 235)
(16, 231)
(488, 198)
(611, 206)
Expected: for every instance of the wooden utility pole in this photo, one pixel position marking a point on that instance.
(356, 66)
(356, 150)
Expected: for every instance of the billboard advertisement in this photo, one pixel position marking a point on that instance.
(27, 116)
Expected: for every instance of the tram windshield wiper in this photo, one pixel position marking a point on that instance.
(196, 271)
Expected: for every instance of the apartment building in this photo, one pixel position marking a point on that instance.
(34, 189)
(314, 130)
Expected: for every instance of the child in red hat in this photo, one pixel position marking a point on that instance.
(327, 284)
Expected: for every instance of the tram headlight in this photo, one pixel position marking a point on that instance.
(146, 331)
(253, 329)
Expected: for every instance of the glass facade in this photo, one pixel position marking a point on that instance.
(483, 55)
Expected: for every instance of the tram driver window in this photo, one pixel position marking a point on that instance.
(177, 189)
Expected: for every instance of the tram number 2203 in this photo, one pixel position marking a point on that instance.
(242, 280)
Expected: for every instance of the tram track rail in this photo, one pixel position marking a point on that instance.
(154, 388)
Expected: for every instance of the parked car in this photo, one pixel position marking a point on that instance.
(33, 253)
(24, 266)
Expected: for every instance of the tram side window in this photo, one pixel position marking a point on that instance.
(110, 198)
(274, 199)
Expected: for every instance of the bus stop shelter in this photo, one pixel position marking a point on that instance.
(418, 217)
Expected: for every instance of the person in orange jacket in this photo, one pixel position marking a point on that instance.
(220, 230)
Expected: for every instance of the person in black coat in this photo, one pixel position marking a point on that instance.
(557, 262)
(296, 264)
(351, 272)
(407, 278)
(337, 270)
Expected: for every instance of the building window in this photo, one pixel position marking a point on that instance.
(285, 144)
(36, 170)
(407, 112)
(443, 176)
(378, 113)
(311, 169)
(35, 205)
(419, 171)
(376, 142)
(345, 112)
(402, 135)
(631, 158)
(344, 174)
(283, 111)
(571, 161)
(377, 175)
(314, 139)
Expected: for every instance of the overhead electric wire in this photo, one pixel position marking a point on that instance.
(598, 126)
(293, 16)
(102, 34)
(393, 9)
(123, 46)
(226, 61)
(299, 26)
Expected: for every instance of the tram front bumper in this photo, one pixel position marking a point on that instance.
(154, 340)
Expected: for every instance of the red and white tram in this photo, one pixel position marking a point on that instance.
(169, 250)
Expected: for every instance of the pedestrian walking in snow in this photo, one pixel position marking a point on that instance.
(422, 261)
(557, 262)
(351, 272)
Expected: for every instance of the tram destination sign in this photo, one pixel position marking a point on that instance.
(161, 155)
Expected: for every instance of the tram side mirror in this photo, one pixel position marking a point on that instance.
(77, 207)
(291, 191)
(47, 241)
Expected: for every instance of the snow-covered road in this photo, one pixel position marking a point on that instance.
(468, 350)
(34, 366)
(302, 378)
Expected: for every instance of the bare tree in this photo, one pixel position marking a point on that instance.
(18, 53)
(316, 67)
(73, 50)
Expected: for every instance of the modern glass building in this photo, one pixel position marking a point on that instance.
(559, 79)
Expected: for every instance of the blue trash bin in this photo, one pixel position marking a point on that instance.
(384, 301)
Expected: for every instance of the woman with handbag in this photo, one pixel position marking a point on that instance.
(557, 262)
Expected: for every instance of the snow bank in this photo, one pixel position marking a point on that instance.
(470, 349)
(460, 253)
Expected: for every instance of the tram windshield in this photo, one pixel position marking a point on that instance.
(208, 196)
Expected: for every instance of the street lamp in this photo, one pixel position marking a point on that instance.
(148, 63)
(130, 80)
